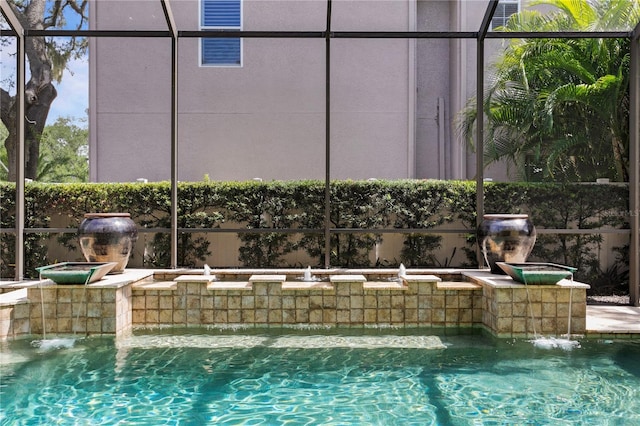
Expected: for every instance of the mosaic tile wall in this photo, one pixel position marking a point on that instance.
(346, 304)
(535, 310)
(120, 304)
(77, 309)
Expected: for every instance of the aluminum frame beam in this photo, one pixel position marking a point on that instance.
(634, 168)
(327, 152)
(484, 28)
(634, 191)
(168, 14)
(21, 61)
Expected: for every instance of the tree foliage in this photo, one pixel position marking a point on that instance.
(558, 109)
(63, 153)
(47, 58)
(282, 222)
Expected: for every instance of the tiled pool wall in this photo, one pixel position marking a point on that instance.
(66, 310)
(148, 299)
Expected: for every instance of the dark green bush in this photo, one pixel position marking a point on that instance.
(279, 218)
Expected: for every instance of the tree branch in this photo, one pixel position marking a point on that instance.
(6, 106)
(79, 9)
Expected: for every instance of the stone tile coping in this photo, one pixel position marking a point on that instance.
(383, 285)
(274, 278)
(420, 278)
(315, 271)
(229, 285)
(352, 278)
(156, 285)
(109, 281)
(195, 278)
(307, 285)
(505, 281)
(14, 297)
(121, 280)
(8, 286)
(143, 276)
(458, 286)
(169, 274)
(572, 284)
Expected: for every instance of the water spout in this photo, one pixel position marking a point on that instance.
(307, 274)
(60, 343)
(552, 342)
(44, 325)
(402, 271)
(555, 343)
(570, 309)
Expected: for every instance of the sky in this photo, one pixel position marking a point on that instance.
(73, 93)
(73, 90)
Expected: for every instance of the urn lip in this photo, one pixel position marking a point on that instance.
(99, 215)
(505, 216)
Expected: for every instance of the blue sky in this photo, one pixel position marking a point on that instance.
(73, 90)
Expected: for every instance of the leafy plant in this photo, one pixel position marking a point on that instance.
(281, 218)
(259, 206)
(558, 109)
(421, 205)
(574, 207)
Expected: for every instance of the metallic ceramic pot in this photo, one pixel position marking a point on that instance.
(506, 238)
(108, 237)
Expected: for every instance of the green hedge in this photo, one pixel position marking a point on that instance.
(402, 204)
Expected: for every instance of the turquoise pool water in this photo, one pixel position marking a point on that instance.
(313, 377)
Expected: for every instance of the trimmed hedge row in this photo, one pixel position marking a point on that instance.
(278, 205)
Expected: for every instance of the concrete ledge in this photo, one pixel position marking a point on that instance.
(613, 320)
(275, 278)
(505, 281)
(14, 297)
(195, 278)
(355, 278)
(307, 285)
(129, 276)
(383, 285)
(420, 278)
(458, 286)
(8, 286)
(229, 285)
(156, 285)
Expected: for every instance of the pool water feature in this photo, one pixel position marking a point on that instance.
(64, 342)
(552, 342)
(308, 276)
(316, 377)
(450, 298)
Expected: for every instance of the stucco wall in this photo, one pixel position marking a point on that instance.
(393, 101)
(267, 118)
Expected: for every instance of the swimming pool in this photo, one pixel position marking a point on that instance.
(376, 377)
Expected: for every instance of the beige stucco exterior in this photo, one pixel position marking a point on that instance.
(392, 101)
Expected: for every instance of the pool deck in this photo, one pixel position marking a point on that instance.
(614, 321)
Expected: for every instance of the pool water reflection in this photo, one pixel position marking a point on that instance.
(376, 377)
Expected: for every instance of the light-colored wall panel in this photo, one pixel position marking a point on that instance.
(265, 118)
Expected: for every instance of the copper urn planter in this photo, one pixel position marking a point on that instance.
(108, 237)
(506, 238)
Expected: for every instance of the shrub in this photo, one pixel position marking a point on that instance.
(280, 219)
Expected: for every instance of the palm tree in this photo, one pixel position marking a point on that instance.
(558, 109)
